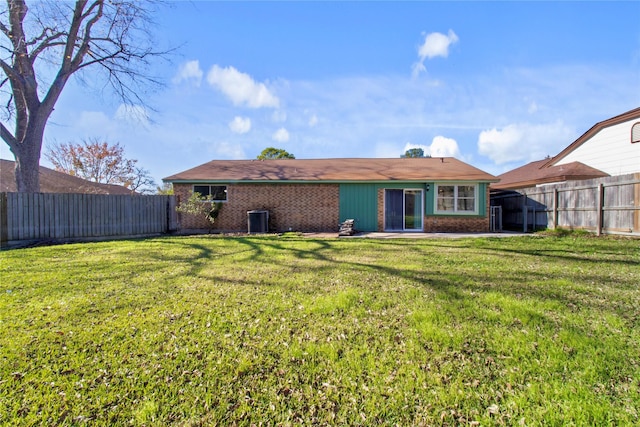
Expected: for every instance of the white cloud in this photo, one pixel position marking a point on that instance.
(240, 125)
(132, 114)
(417, 68)
(189, 71)
(524, 141)
(440, 147)
(444, 147)
(226, 150)
(281, 135)
(313, 120)
(435, 44)
(241, 88)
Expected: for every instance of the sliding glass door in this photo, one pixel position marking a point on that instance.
(402, 210)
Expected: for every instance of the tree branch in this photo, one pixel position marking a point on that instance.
(9, 71)
(7, 137)
(25, 81)
(5, 30)
(46, 44)
(19, 99)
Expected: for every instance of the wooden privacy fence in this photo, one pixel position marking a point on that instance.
(606, 205)
(43, 216)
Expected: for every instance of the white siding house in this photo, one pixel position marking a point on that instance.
(608, 146)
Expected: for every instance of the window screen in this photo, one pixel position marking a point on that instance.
(214, 192)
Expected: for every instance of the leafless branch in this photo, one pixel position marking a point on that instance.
(44, 46)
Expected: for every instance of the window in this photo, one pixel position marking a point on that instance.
(456, 199)
(635, 133)
(213, 192)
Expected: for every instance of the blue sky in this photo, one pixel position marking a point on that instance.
(496, 84)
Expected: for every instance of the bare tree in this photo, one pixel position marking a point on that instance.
(141, 181)
(42, 47)
(101, 162)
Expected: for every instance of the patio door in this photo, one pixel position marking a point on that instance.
(402, 210)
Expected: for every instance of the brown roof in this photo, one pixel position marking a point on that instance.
(629, 115)
(334, 170)
(537, 172)
(56, 182)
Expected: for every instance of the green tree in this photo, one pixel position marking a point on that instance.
(414, 152)
(166, 189)
(270, 153)
(44, 44)
(201, 206)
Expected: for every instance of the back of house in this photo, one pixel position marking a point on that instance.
(401, 194)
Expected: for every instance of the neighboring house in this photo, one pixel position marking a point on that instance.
(52, 181)
(538, 173)
(612, 146)
(609, 148)
(592, 184)
(403, 194)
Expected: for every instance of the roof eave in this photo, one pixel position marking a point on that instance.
(629, 115)
(303, 181)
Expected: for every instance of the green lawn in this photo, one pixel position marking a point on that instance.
(190, 331)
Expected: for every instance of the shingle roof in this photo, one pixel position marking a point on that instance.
(536, 172)
(334, 170)
(57, 182)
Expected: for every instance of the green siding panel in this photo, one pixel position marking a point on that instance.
(360, 202)
(482, 200)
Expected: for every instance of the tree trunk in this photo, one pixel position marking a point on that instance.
(28, 173)
(27, 154)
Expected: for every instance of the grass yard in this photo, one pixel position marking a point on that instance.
(194, 331)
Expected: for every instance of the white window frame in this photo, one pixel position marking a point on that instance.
(455, 210)
(193, 189)
(635, 133)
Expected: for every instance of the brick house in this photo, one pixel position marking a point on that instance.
(402, 194)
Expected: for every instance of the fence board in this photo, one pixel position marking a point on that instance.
(575, 205)
(4, 220)
(67, 216)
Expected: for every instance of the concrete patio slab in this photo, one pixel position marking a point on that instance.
(410, 235)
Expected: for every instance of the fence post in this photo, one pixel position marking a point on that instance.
(525, 220)
(635, 221)
(555, 208)
(172, 222)
(600, 211)
(4, 225)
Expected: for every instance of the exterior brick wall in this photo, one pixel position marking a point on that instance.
(380, 209)
(451, 224)
(305, 207)
(299, 207)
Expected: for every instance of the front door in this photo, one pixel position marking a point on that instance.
(403, 210)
